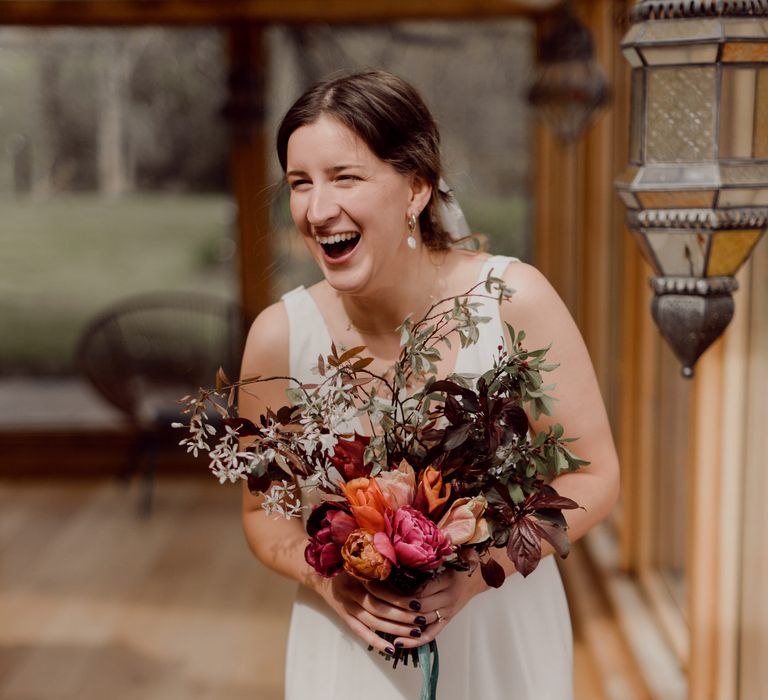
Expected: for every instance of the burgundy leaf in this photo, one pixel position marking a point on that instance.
(284, 415)
(456, 435)
(555, 535)
(524, 546)
(453, 410)
(492, 572)
(547, 497)
(258, 484)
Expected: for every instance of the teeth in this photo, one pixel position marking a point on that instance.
(336, 238)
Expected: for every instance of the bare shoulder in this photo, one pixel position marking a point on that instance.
(534, 301)
(267, 344)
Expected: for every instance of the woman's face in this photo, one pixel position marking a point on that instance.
(350, 207)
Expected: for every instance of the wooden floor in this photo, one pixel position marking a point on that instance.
(98, 603)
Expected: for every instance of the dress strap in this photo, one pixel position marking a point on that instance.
(308, 336)
(491, 333)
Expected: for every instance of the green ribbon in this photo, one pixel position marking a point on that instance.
(429, 662)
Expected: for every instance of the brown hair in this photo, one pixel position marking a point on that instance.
(388, 114)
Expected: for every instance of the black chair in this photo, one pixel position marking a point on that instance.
(144, 353)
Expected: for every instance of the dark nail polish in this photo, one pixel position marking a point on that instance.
(415, 605)
(398, 645)
(390, 650)
(415, 633)
(420, 620)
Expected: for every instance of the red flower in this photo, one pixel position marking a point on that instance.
(413, 540)
(328, 527)
(348, 457)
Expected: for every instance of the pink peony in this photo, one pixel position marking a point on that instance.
(328, 527)
(412, 541)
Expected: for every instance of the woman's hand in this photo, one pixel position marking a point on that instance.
(366, 611)
(448, 594)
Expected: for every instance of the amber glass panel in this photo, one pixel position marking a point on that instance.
(737, 112)
(681, 114)
(745, 52)
(679, 252)
(761, 115)
(753, 197)
(673, 200)
(729, 250)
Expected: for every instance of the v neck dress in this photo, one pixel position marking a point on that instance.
(510, 643)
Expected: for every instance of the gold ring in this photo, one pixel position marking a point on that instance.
(439, 616)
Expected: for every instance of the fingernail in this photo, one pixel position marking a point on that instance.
(414, 605)
(415, 633)
(398, 645)
(420, 620)
(390, 650)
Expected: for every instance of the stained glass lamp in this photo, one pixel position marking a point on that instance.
(696, 188)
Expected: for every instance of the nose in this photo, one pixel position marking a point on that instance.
(322, 208)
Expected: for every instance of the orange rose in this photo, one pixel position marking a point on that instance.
(431, 494)
(362, 560)
(367, 502)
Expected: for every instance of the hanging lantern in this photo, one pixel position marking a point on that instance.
(569, 87)
(696, 188)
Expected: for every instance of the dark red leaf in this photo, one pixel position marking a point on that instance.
(284, 415)
(555, 535)
(493, 573)
(524, 546)
(547, 497)
(258, 484)
(456, 435)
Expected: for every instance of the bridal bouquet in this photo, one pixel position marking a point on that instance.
(449, 471)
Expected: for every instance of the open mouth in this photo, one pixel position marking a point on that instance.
(338, 245)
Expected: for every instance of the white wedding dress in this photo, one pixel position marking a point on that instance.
(511, 643)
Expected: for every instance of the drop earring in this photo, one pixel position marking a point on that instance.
(411, 240)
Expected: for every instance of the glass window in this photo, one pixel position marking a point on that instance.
(107, 189)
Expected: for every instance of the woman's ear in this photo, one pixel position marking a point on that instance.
(421, 191)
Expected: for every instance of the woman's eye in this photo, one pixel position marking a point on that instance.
(296, 184)
(349, 178)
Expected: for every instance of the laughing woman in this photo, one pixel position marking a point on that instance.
(361, 157)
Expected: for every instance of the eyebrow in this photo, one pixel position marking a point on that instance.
(332, 171)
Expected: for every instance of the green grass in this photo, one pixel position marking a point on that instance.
(64, 259)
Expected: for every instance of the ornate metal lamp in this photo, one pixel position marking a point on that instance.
(697, 183)
(569, 87)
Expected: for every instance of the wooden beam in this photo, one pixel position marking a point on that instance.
(246, 110)
(205, 12)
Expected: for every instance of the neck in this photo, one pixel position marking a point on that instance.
(412, 290)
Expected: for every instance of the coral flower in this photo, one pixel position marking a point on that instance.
(361, 558)
(367, 503)
(432, 493)
(463, 522)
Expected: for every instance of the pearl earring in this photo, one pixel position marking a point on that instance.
(411, 240)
